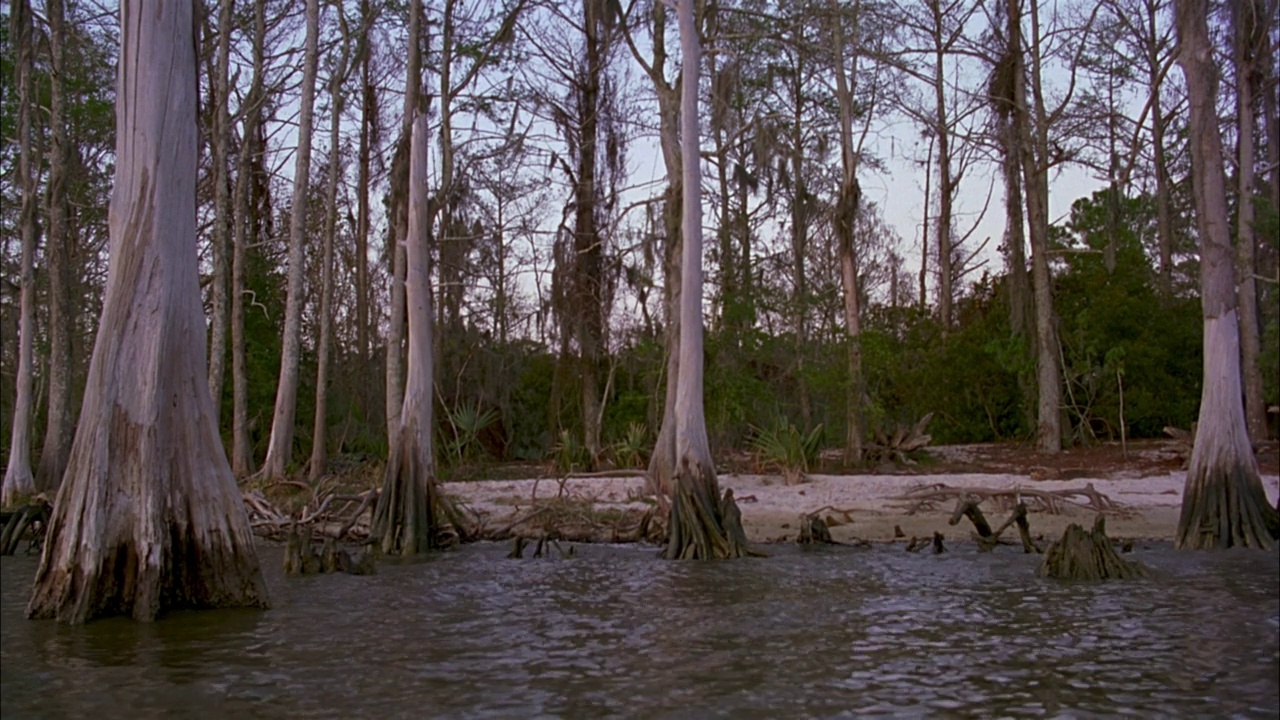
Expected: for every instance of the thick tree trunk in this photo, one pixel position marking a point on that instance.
(221, 208)
(703, 525)
(319, 434)
(412, 515)
(1255, 411)
(149, 517)
(280, 448)
(398, 232)
(58, 428)
(1223, 502)
(18, 480)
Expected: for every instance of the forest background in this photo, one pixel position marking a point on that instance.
(550, 230)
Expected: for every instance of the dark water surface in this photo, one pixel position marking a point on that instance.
(617, 632)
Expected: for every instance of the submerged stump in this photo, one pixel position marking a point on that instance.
(1087, 555)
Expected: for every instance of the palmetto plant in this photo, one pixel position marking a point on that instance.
(784, 448)
(569, 454)
(468, 421)
(629, 451)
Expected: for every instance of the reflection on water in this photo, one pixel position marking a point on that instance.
(617, 632)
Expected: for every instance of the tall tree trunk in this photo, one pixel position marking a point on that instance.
(1164, 212)
(663, 459)
(242, 464)
(280, 448)
(149, 518)
(319, 434)
(846, 221)
(1246, 21)
(703, 525)
(221, 207)
(399, 229)
(946, 181)
(800, 209)
(1033, 138)
(368, 109)
(58, 429)
(412, 515)
(1223, 502)
(18, 480)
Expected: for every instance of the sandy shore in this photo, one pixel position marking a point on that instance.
(867, 506)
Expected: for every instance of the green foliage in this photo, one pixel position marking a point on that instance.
(569, 454)
(467, 422)
(630, 450)
(784, 448)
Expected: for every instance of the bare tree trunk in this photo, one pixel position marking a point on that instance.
(703, 525)
(396, 327)
(58, 429)
(149, 518)
(319, 433)
(846, 221)
(18, 480)
(412, 515)
(242, 464)
(221, 207)
(663, 459)
(368, 98)
(1246, 22)
(1034, 147)
(280, 448)
(946, 181)
(1223, 503)
(1164, 214)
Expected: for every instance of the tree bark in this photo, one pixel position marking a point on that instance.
(845, 224)
(319, 433)
(1246, 22)
(149, 518)
(18, 480)
(280, 447)
(1033, 141)
(242, 464)
(398, 232)
(1223, 503)
(703, 525)
(58, 428)
(221, 208)
(412, 515)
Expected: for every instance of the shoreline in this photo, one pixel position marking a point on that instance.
(869, 507)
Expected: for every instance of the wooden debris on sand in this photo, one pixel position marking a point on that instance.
(1082, 555)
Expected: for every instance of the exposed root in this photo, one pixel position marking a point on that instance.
(703, 526)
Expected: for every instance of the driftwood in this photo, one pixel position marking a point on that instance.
(34, 516)
(1051, 501)
(905, 439)
(1082, 555)
(967, 506)
(302, 558)
(1019, 517)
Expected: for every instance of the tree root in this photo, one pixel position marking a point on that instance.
(301, 557)
(34, 517)
(1082, 555)
(703, 526)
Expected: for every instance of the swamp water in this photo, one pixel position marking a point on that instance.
(615, 632)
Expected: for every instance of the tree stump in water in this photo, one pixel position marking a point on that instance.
(703, 526)
(1082, 555)
(1019, 517)
(301, 558)
(813, 530)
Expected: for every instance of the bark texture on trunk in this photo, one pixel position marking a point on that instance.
(412, 515)
(320, 428)
(846, 220)
(18, 480)
(149, 518)
(1255, 411)
(1223, 502)
(703, 525)
(221, 209)
(58, 428)
(280, 447)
